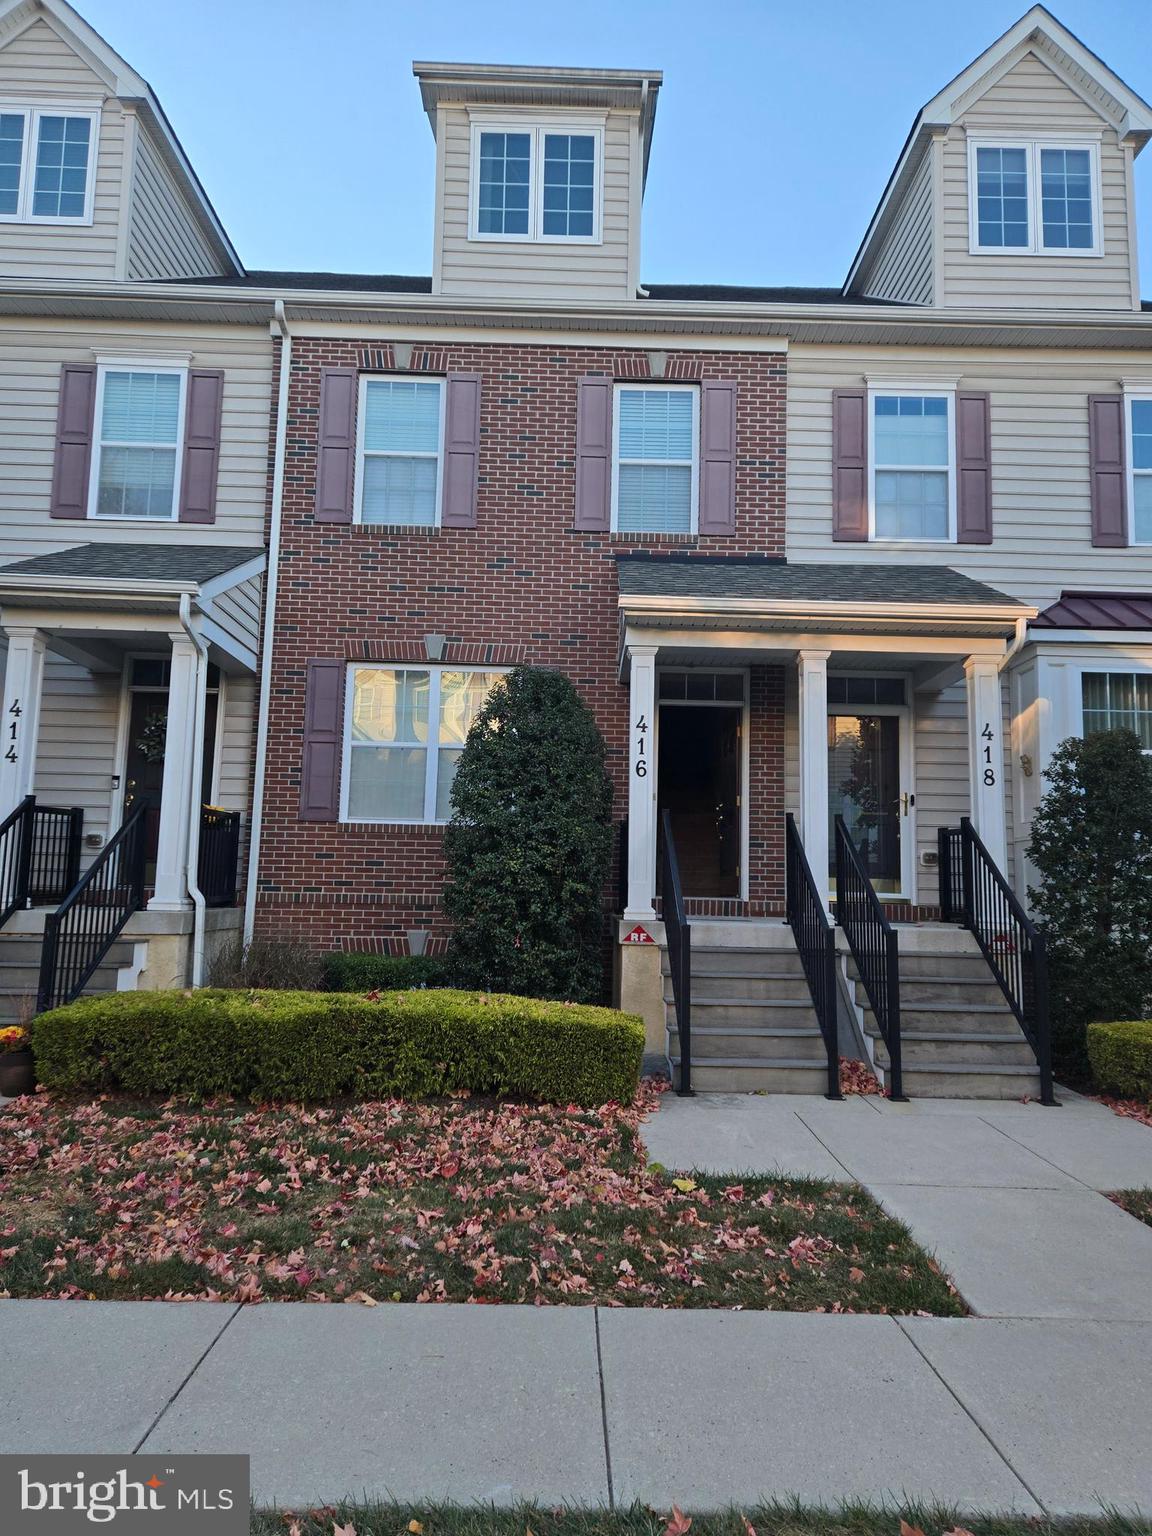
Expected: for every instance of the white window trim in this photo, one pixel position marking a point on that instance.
(1121, 666)
(361, 420)
(136, 365)
(1142, 396)
(654, 386)
(1032, 145)
(431, 748)
(31, 112)
(537, 127)
(922, 391)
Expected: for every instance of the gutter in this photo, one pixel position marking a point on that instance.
(194, 792)
(271, 584)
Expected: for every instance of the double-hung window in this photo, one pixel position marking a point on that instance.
(912, 457)
(1140, 459)
(401, 432)
(406, 728)
(536, 182)
(1114, 701)
(47, 164)
(1034, 197)
(138, 442)
(655, 470)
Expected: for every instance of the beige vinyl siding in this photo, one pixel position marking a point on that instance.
(234, 757)
(165, 238)
(1042, 538)
(76, 747)
(31, 353)
(37, 66)
(238, 611)
(902, 268)
(536, 270)
(1031, 99)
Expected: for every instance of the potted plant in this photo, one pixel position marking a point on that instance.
(17, 1074)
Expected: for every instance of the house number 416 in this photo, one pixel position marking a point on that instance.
(640, 767)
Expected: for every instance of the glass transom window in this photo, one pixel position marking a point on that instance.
(1141, 422)
(406, 729)
(1115, 701)
(912, 458)
(400, 434)
(46, 164)
(535, 182)
(656, 434)
(1034, 197)
(140, 417)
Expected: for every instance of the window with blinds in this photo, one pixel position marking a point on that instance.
(655, 471)
(401, 433)
(136, 467)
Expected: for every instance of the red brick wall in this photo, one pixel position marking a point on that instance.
(522, 586)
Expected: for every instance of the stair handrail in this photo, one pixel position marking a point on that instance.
(815, 937)
(90, 919)
(16, 857)
(678, 937)
(872, 941)
(1011, 943)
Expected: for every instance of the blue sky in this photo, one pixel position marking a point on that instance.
(778, 123)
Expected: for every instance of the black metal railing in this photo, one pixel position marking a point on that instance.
(678, 936)
(1009, 940)
(218, 861)
(816, 941)
(39, 855)
(88, 921)
(951, 873)
(622, 868)
(872, 940)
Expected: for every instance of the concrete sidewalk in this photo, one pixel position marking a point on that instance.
(594, 1406)
(1004, 1194)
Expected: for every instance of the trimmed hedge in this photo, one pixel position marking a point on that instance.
(1121, 1057)
(382, 973)
(315, 1045)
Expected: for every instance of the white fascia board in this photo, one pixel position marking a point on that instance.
(208, 590)
(981, 613)
(1040, 637)
(93, 586)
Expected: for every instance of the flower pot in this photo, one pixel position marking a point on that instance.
(17, 1074)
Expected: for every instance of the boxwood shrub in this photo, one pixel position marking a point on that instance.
(1121, 1058)
(382, 973)
(269, 1045)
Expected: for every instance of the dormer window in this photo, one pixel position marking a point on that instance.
(1034, 197)
(46, 165)
(536, 182)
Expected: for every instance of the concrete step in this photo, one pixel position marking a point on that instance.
(741, 984)
(761, 1044)
(732, 962)
(949, 989)
(24, 949)
(930, 1050)
(947, 1018)
(779, 1013)
(960, 1081)
(743, 1074)
(921, 965)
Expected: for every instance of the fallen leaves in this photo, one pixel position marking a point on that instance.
(679, 1524)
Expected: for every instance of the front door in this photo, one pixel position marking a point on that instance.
(698, 781)
(868, 786)
(144, 764)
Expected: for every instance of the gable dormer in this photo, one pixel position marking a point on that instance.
(93, 182)
(539, 178)
(1015, 186)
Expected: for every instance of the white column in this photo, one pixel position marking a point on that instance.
(172, 844)
(986, 755)
(642, 784)
(813, 671)
(23, 687)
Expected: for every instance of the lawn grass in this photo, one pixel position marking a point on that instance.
(441, 1201)
(1137, 1202)
(770, 1520)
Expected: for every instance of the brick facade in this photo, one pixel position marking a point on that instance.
(522, 586)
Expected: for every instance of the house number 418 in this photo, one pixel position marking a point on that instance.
(987, 736)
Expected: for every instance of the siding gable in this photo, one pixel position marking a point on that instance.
(165, 238)
(902, 266)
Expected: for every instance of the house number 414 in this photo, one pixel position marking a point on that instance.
(640, 766)
(14, 710)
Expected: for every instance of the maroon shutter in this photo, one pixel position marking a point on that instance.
(461, 450)
(336, 446)
(74, 422)
(973, 468)
(594, 454)
(717, 456)
(1108, 470)
(323, 722)
(201, 445)
(850, 465)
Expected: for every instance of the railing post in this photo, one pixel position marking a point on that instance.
(1043, 1021)
(830, 993)
(944, 872)
(45, 991)
(968, 868)
(75, 840)
(24, 851)
(894, 1061)
(138, 860)
(684, 1024)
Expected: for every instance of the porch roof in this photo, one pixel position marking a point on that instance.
(1097, 610)
(182, 564)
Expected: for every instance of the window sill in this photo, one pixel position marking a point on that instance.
(1018, 251)
(400, 826)
(618, 537)
(390, 530)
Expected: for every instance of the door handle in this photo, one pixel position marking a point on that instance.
(907, 801)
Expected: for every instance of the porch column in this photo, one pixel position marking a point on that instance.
(813, 670)
(23, 687)
(172, 841)
(986, 755)
(642, 784)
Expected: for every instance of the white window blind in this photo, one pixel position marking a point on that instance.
(656, 432)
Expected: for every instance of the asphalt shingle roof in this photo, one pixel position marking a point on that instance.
(144, 562)
(696, 576)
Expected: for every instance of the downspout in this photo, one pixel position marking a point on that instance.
(195, 791)
(641, 291)
(279, 325)
(1017, 645)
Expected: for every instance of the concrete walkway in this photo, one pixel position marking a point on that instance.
(580, 1405)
